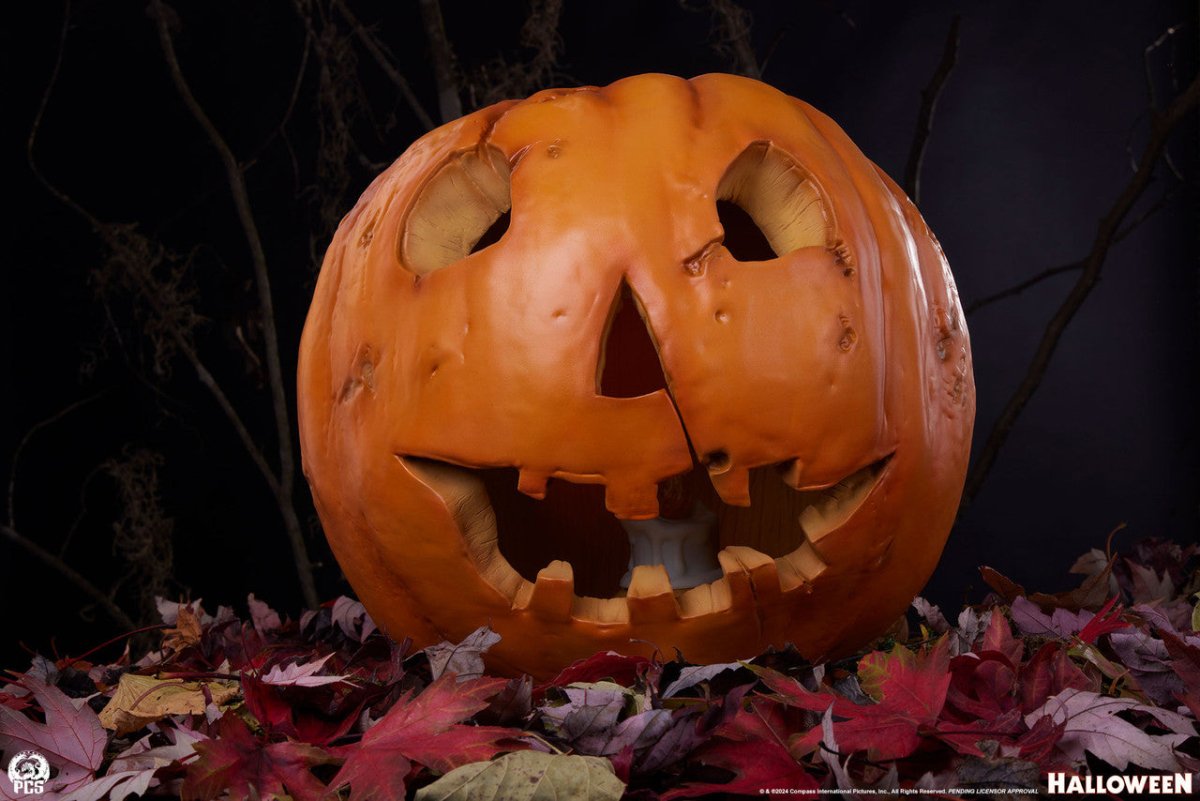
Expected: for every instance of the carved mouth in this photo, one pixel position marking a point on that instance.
(565, 555)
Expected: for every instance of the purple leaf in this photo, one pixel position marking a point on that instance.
(351, 617)
(302, 675)
(1092, 725)
(693, 675)
(264, 618)
(465, 659)
(71, 739)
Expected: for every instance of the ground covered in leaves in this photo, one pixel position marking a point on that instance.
(1102, 680)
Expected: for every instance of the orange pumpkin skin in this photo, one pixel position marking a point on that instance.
(845, 353)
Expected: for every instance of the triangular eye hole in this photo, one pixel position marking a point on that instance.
(769, 205)
(463, 208)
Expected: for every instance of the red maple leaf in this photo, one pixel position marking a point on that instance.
(425, 729)
(317, 715)
(756, 765)
(982, 685)
(247, 767)
(1185, 663)
(1048, 673)
(912, 690)
(1108, 619)
(623, 670)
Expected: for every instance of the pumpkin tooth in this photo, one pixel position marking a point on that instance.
(532, 483)
(628, 501)
(733, 485)
(752, 575)
(651, 598)
(800, 567)
(552, 594)
(833, 506)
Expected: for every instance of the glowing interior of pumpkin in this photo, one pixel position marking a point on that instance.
(768, 206)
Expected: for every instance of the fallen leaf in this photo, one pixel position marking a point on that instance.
(264, 618)
(237, 766)
(186, 631)
(529, 776)
(464, 659)
(757, 766)
(114, 786)
(606, 665)
(351, 617)
(912, 691)
(1048, 673)
(425, 729)
(694, 674)
(1091, 723)
(140, 700)
(71, 739)
(302, 675)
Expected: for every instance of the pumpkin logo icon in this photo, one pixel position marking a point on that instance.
(663, 364)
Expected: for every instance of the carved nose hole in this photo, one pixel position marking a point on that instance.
(629, 364)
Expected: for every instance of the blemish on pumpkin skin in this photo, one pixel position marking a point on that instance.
(368, 232)
(849, 335)
(696, 264)
(554, 149)
(841, 253)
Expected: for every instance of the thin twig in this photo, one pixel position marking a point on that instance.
(385, 64)
(51, 561)
(241, 199)
(36, 427)
(280, 128)
(929, 99)
(1162, 125)
(444, 71)
(1017, 289)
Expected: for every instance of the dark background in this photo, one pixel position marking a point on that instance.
(136, 480)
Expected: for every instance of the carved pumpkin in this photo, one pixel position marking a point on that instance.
(689, 302)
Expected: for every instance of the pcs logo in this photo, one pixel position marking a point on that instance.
(28, 772)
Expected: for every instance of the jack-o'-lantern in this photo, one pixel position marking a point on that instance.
(665, 364)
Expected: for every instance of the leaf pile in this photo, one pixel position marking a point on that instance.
(1101, 679)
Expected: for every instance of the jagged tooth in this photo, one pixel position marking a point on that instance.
(733, 486)
(600, 610)
(532, 483)
(706, 599)
(791, 473)
(650, 596)
(523, 594)
(800, 567)
(553, 592)
(762, 572)
(632, 501)
(814, 522)
(737, 579)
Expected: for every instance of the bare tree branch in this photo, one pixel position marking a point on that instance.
(34, 429)
(51, 561)
(1163, 123)
(1018, 288)
(929, 99)
(241, 199)
(444, 65)
(376, 51)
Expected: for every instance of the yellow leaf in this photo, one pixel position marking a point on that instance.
(140, 700)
